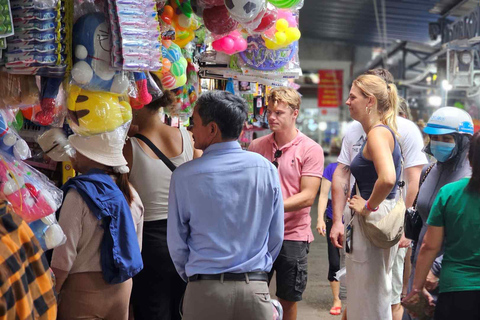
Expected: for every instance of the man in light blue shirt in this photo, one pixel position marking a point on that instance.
(225, 218)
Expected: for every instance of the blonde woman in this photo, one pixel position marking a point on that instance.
(376, 169)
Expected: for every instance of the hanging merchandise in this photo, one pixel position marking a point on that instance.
(30, 193)
(268, 19)
(94, 112)
(143, 96)
(135, 34)
(40, 44)
(218, 20)
(287, 4)
(6, 21)
(231, 43)
(91, 70)
(174, 65)
(10, 141)
(284, 32)
(48, 232)
(18, 91)
(244, 10)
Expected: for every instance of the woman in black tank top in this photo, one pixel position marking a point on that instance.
(376, 168)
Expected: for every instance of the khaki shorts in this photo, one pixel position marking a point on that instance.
(397, 275)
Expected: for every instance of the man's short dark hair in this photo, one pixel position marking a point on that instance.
(227, 110)
(382, 73)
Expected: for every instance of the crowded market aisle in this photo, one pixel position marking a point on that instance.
(317, 298)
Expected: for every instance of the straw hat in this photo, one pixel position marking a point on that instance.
(105, 148)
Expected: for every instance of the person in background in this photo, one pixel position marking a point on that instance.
(411, 143)
(324, 225)
(299, 160)
(453, 223)
(225, 218)
(450, 130)
(157, 289)
(102, 217)
(27, 289)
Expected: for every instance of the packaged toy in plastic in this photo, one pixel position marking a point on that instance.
(6, 21)
(94, 112)
(10, 141)
(18, 91)
(91, 42)
(54, 144)
(48, 232)
(30, 193)
(173, 73)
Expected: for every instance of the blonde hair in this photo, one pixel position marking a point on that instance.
(386, 98)
(287, 95)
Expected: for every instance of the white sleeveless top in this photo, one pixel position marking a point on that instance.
(151, 177)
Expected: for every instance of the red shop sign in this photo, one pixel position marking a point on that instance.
(330, 88)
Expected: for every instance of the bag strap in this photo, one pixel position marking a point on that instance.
(421, 182)
(157, 151)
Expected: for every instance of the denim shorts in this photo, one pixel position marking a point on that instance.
(291, 267)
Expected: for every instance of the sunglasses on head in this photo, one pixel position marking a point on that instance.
(277, 155)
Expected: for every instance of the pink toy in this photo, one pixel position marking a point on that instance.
(24, 189)
(143, 96)
(230, 44)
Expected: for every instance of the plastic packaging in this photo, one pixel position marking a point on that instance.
(30, 193)
(18, 91)
(284, 32)
(48, 232)
(287, 4)
(244, 10)
(54, 144)
(231, 43)
(6, 21)
(10, 141)
(174, 65)
(259, 57)
(277, 309)
(94, 112)
(218, 20)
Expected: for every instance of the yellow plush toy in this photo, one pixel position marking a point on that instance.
(93, 112)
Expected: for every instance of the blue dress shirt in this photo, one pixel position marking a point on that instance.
(225, 213)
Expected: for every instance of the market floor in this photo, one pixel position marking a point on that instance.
(317, 298)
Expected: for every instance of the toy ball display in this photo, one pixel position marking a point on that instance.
(173, 73)
(244, 10)
(259, 57)
(218, 21)
(230, 44)
(283, 33)
(284, 4)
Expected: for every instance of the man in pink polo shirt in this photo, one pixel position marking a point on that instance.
(299, 160)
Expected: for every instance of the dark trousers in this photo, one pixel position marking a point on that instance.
(333, 254)
(463, 305)
(157, 289)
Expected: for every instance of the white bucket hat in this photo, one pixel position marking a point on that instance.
(105, 148)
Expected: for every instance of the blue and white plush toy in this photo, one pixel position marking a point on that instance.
(10, 141)
(91, 43)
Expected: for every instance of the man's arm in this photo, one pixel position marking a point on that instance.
(177, 233)
(322, 205)
(277, 229)
(308, 191)
(340, 191)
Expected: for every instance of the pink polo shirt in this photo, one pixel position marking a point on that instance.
(300, 157)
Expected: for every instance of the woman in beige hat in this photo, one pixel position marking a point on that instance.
(102, 217)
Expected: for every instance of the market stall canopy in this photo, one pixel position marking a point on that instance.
(354, 21)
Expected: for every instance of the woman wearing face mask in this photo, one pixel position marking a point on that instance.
(450, 130)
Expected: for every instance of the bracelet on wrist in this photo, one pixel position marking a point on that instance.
(367, 206)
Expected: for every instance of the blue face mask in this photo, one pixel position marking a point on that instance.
(442, 150)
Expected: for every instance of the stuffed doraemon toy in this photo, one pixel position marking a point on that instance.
(91, 42)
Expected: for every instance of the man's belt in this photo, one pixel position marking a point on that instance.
(248, 276)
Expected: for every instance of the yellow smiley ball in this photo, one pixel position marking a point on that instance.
(282, 25)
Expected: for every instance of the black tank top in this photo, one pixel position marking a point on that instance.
(365, 174)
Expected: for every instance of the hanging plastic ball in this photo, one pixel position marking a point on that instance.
(293, 34)
(218, 21)
(280, 38)
(240, 45)
(284, 4)
(244, 10)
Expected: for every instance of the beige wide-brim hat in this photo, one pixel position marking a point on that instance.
(105, 148)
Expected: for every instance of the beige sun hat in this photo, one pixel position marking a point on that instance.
(105, 148)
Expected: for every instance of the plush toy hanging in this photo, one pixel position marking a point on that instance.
(92, 56)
